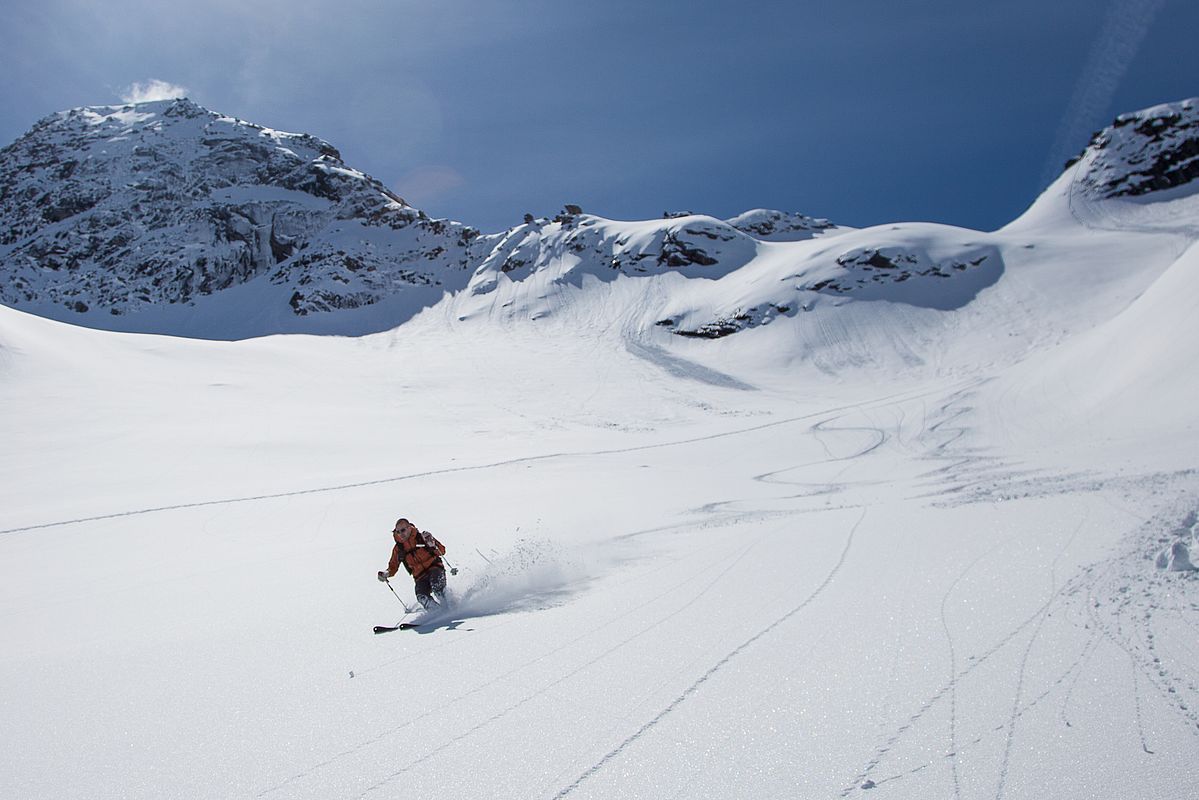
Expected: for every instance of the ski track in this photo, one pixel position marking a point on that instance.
(961, 465)
(940, 448)
(451, 643)
(880, 438)
(953, 692)
(816, 488)
(950, 688)
(970, 469)
(477, 467)
(558, 681)
(713, 670)
(516, 670)
(479, 688)
(1093, 588)
(952, 410)
(1122, 640)
(1022, 671)
(930, 702)
(1079, 665)
(1113, 590)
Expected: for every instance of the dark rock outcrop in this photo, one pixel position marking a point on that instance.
(1145, 151)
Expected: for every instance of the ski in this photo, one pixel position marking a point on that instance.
(403, 626)
(431, 616)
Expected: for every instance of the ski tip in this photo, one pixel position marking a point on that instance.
(406, 626)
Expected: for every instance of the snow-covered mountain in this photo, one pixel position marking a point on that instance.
(166, 217)
(112, 210)
(145, 217)
(131, 217)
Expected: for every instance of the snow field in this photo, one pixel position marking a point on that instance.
(784, 596)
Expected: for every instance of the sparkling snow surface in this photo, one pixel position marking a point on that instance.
(867, 550)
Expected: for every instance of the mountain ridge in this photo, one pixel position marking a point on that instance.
(146, 217)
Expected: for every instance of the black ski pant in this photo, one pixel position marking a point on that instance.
(432, 582)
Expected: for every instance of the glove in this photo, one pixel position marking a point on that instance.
(382, 576)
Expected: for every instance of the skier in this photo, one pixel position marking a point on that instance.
(420, 554)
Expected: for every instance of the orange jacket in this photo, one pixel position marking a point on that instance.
(418, 553)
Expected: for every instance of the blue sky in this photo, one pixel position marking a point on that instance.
(862, 112)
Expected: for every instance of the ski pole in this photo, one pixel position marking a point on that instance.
(407, 610)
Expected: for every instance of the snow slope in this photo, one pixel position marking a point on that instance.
(874, 545)
(676, 580)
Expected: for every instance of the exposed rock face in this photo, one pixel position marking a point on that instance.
(696, 246)
(737, 321)
(119, 207)
(864, 267)
(780, 226)
(1145, 151)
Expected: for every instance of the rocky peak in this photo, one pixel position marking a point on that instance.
(780, 226)
(1144, 151)
(115, 208)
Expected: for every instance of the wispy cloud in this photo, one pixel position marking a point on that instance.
(1124, 29)
(153, 89)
